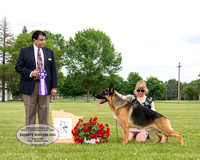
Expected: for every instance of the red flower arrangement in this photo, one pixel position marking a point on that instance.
(90, 130)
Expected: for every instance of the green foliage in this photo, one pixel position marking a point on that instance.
(24, 30)
(103, 82)
(132, 79)
(156, 87)
(196, 83)
(123, 87)
(57, 43)
(127, 87)
(190, 91)
(91, 54)
(72, 86)
(172, 89)
(5, 43)
(11, 78)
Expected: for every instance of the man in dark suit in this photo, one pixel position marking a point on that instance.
(31, 60)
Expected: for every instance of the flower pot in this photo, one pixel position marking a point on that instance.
(92, 141)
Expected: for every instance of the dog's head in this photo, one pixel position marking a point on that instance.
(105, 95)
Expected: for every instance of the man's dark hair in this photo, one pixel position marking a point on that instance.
(37, 33)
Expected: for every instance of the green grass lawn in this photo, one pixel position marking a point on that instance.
(184, 118)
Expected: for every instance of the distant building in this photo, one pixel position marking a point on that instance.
(8, 95)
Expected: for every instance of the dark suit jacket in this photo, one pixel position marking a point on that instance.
(26, 64)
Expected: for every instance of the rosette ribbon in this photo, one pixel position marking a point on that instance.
(42, 87)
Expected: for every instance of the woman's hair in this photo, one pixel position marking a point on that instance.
(141, 85)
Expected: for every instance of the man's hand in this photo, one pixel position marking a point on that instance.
(53, 91)
(35, 73)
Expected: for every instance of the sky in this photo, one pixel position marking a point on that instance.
(153, 36)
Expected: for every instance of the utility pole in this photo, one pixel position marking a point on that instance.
(179, 69)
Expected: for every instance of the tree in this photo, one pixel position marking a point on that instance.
(196, 84)
(190, 92)
(172, 89)
(132, 80)
(123, 87)
(156, 88)
(72, 86)
(24, 30)
(5, 42)
(91, 54)
(103, 83)
(182, 86)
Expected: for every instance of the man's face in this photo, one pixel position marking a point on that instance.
(40, 42)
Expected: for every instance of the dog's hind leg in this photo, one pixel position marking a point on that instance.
(172, 133)
(158, 137)
(165, 127)
(177, 135)
(164, 139)
(155, 133)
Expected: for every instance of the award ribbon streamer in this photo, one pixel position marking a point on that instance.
(42, 87)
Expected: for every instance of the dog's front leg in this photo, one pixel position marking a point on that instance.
(125, 134)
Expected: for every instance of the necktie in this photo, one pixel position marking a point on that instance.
(39, 60)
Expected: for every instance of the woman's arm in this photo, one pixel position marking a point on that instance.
(153, 106)
(128, 98)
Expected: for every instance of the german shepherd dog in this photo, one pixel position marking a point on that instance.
(136, 116)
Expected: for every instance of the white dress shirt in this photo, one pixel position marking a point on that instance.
(35, 53)
(42, 55)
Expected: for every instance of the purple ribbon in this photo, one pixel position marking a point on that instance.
(42, 87)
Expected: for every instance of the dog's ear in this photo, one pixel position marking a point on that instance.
(111, 88)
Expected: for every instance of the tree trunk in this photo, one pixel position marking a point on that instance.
(3, 90)
(88, 92)
(199, 97)
(3, 78)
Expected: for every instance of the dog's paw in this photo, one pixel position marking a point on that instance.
(115, 117)
(124, 142)
(157, 140)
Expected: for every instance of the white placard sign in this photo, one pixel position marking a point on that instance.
(64, 127)
(64, 122)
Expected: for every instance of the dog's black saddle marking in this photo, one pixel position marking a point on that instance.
(143, 116)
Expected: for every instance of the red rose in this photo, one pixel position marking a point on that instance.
(85, 125)
(75, 128)
(86, 128)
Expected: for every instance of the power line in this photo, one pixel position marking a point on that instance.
(167, 69)
(192, 65)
